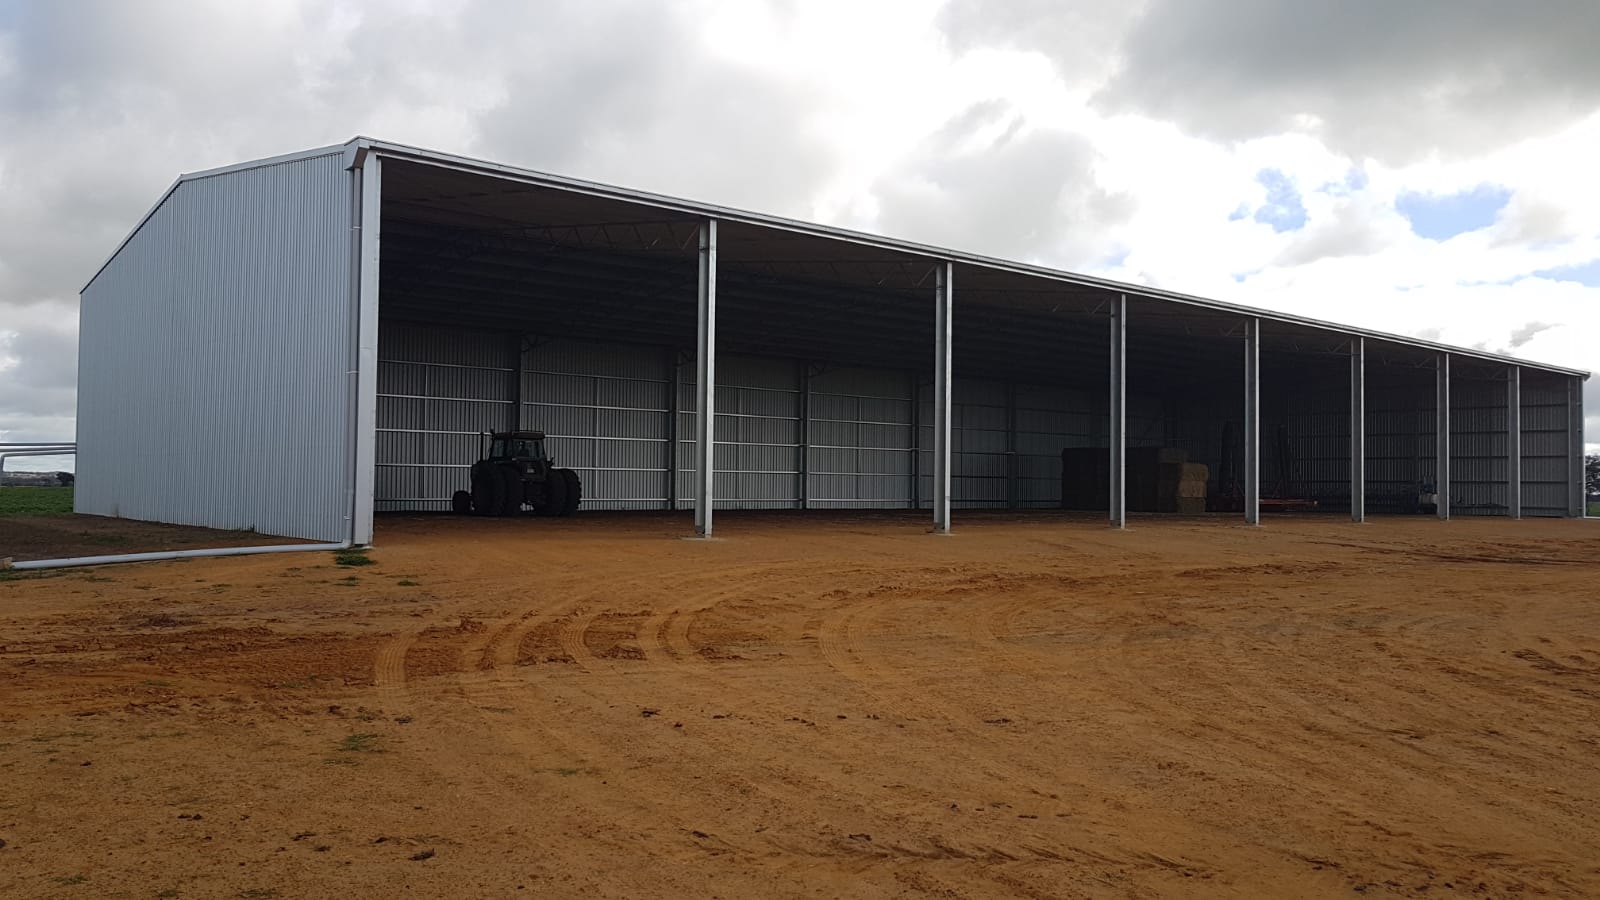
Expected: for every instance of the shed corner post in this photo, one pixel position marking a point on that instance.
(1514, 442)
(1442, 434)
(1117, 439)
(1578, 504)
(1252, 421)
(706, 379)
(944, 291)
(1358, 429)
(365, 411)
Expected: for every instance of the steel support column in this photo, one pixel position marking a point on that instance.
(1442, 433)
(1577, 505)
(518, 367)
(1358, 430)
(366, 361)
(1252, 421)
(705, 429)
(1514, 442)
(804, 467)
(1118, 432)
(674, 362)
(944, 290)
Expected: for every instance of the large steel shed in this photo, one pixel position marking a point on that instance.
(293, 343)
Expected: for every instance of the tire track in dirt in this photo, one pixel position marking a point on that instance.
(1392, 730)
(389, 670)
(841, 645)
(853, 800)
(505, 685)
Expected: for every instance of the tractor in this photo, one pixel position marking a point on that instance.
(513, 472)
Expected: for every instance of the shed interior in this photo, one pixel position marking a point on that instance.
(512, 304)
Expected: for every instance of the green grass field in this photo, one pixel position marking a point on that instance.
(35, 501)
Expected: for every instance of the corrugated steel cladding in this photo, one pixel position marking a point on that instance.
(607, 412)
(214, 358)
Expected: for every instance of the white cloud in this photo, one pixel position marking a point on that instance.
(1027, 130)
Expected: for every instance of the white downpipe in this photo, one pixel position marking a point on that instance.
(171, 554)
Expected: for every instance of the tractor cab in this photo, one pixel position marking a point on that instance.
(517, 446)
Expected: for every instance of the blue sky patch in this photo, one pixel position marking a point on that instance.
(1439, 218)
(1586, 274)
(1284, 211)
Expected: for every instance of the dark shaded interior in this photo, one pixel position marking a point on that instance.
(468, 250)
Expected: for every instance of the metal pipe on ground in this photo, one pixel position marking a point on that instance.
(170, 554)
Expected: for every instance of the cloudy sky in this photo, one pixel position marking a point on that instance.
(1420, 166)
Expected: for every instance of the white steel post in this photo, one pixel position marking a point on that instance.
(705, 385)
(1118, 434)
(1252, 422)
(1514, 442)
(366, 410)
(1442, 432)
(1578, 506)
(944, 290)
(1358, 430)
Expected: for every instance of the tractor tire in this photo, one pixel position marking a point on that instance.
(555, 494)
(461, 502)
(574, 491)
(485, 489)
(510, 491)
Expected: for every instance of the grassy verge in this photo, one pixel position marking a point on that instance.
(35, 501)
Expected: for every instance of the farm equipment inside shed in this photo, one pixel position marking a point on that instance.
(514, 472)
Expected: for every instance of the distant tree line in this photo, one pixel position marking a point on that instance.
(1591, 476)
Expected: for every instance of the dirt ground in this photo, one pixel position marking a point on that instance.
(835, 706)
(61, 537)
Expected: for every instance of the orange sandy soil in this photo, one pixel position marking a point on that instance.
(826, 706)
(64, 537)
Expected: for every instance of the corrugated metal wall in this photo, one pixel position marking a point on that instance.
(1401, 423)
(862, 443)
(1048, 420)
(214, 358)
(605, 410)
(437, 389)
(1545, 446)
(608, 411)
(1479, 448)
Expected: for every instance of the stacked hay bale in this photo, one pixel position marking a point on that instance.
(1191, 489)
